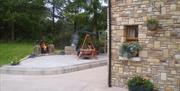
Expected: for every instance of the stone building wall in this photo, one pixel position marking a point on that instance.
(161, 50)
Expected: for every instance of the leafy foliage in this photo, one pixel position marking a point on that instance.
(129, 49)
(137, 83)
(20, 18)
(152, 21)
(33, 20)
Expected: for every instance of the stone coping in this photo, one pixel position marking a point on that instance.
(51, 70)
(133, 59)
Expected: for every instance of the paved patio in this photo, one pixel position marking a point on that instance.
(53, 64)
(94, 79)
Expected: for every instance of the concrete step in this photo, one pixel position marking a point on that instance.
(52, 70)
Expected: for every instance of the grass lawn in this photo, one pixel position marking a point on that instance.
(14, 51)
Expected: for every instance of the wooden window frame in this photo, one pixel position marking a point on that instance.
(131, 33)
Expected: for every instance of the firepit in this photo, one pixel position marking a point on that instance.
(43, 48)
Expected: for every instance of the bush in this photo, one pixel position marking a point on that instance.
(139, 84)
(148, 86)
(15, 61)
(99, 45)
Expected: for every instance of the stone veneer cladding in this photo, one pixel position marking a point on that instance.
(161, 50)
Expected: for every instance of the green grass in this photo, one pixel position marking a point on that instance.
(14, 51)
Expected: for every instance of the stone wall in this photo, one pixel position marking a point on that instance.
(70, 50)
(161, 49)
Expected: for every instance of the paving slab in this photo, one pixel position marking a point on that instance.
(94, 79)
(53, 64)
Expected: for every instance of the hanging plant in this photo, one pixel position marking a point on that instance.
(152, 24)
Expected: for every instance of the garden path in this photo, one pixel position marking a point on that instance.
(94, 79)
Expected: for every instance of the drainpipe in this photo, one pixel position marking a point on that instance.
(53, 8)
(109, 66)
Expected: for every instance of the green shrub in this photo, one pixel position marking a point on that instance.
(137, 83)
(99, 45)
(148, 85)
(15, 61)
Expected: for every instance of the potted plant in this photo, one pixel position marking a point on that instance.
(147, 85)
(129, 50)
(137, 83)
(152, 24)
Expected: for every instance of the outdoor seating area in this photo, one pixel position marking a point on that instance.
(86, 50)
(137, 43)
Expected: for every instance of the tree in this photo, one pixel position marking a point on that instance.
(21, 15)
(97, 15)
(90, 13)
(74, 13)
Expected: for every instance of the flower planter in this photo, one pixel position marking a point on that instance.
(152, 24)
(152, 27)
(137, 83)
(139, 88)
(135, 88)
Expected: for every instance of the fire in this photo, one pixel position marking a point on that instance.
(44, 47)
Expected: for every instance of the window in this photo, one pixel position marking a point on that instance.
(131, 33)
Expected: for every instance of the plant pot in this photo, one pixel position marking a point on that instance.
(152, 27)
(139, 88)
(136, 88)
(148, 89)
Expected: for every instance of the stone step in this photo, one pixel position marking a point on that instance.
(51, 71)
